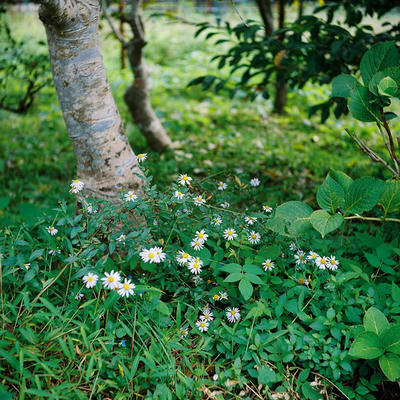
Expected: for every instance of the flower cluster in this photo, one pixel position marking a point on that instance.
(153, 255)
(76, 186)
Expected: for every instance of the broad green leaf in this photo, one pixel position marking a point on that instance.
(341, 178)
(375, 321)
(366, 345)
(231, 268)
(390, 366)
(343, 84)
(363, 194)
(245, 288)
(295, 216)
(395, 292)
(392, 72)
(330, 195)
(377, 58)
(277, 225)
(254, 279)
(324, 223)
(252, 269)
(266, 376)
(390, 200)
(361, 105)
(234, 277)
(390, 339)
(387, 87)
(309, 393)
(271, 252)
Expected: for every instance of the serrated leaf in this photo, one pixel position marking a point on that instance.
(390, 365)
(387, 87)
(375, 321)
(363, 194)
(309, 393)
(390, 339)
(323, 222)
(361, 105)
(392, 72)
(343, 84)
(366, 345)
(341, 178)
(330, 195)
(245, 288)
(390, 200)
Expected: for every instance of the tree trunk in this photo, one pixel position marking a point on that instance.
(280, 84)
(265, 9)
(137, 97)
(105, 161)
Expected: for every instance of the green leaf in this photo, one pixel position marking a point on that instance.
(375, 321)
(266, 376)
(361, 105)
(387, 87)
(295, 215)
(377, 58)
(341, 178)
(252, 269)
(271, 252)
(254, 279)
(363, 194)
(324, 223)
(245, 288)
(395, 292)
(390, 365)
(391, 72)
(343, 84)
(309, 393)
(366, 345)
(390, 339)
(231, 268)
(330, 195)
(390, 200)
(234, 277)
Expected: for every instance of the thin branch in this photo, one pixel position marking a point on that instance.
(238, 13)
(110, 22)
(377, 219)
(392, 150)
(372, 155)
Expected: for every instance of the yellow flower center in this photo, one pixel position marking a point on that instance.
(126, 286)
(267, 264)
(216, 297)
(151, 255)
(199, 199)
(185, 255)
(323, 261)
(201, 235)
(233, 312)
(90, 279)
(333, 262)
(253, 235)
(110, 279)
(184, 177)
(196, 266)
(202, 324)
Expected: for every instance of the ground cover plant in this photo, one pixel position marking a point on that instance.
(231, 289)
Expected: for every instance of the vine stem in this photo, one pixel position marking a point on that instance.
(372, 218)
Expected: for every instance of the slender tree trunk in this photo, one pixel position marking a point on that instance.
(137, 97)
(280, 85)
(105, 161)
(265, 10)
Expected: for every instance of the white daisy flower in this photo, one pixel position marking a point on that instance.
(332, 264)
(233, 314)
(179, 195)
(197, 260)
(76, 186)
(312, 256)
(90, 209)
(223, 295)
(202, 325)
(225, 204)
(292, 246)
(197, 279)
(300, 257)
(184, 179)
(121, 238)
(222, 185)
(53, 231)
(254, 237)
(199, 200)
(194, 267)
(201, 236)
(207, 315)
(126, 288)
(268, 265)
(267, 209)
(160, 255)
(90, 280)
(79, 296)
(54, 252)
(27, 266)
(130, 196)
(111, 280)
(321, 262)
(183, 257)
(230, 234)
(149, 256)
(141, 157)
(250, 220)
(254, 182)
(184, 332)
(217, 221)
(197, 244)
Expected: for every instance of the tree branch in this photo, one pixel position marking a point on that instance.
(392, 150)
(111, 24)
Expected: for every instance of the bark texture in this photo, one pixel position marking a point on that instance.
(105, 161)
(137, 96)
(265, 10)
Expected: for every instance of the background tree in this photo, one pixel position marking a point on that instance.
(105, 161)
(137, 96)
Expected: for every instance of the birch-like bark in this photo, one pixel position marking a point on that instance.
(137, 96)
(105, 161)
